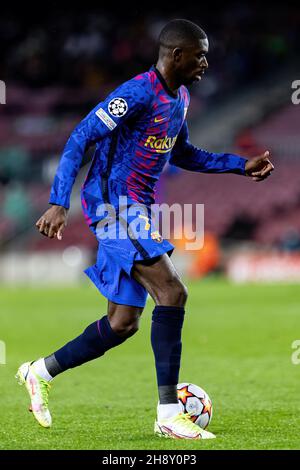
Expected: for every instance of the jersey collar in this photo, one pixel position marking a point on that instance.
(163, 82)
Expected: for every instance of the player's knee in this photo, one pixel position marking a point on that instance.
(185, 293)
(125, 329)
(181, 294)
(174, 293)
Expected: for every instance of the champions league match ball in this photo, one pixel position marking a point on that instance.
(195, 401)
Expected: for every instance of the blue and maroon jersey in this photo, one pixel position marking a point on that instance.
(138, 128)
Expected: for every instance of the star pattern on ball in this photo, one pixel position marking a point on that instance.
(207, 405)
(117, 107)
(183, 394)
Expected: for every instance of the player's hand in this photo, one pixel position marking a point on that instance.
(53, 222)
(259, 168)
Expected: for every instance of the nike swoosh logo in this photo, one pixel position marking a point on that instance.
(159, 120)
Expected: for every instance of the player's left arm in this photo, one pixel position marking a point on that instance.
(187, 156)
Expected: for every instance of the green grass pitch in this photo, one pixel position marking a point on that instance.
(236, 345)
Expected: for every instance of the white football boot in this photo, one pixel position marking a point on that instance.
(38, 390)
(181, 427)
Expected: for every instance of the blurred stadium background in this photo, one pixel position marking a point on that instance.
(58, 63)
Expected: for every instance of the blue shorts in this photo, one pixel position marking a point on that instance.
(122, 242)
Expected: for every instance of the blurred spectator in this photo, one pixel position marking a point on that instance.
(17, 206)
(290, 241)
(207, 259)
(246, 42)
(242, 227)
(14, 163)
(201, 261)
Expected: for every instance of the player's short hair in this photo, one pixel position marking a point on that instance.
(180, 33)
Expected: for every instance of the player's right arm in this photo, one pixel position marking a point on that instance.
(126, 101)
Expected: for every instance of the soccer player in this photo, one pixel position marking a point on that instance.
(137, 129)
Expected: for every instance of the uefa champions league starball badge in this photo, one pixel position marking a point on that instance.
(117, 107)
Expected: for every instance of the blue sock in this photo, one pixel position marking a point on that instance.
(166, 343)
(92, 343)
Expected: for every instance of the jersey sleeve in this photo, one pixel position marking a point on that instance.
(187, 156)
(126, 101)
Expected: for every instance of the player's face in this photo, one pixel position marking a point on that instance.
(192, 63)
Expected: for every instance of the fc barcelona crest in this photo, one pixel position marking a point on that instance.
(156, 236)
